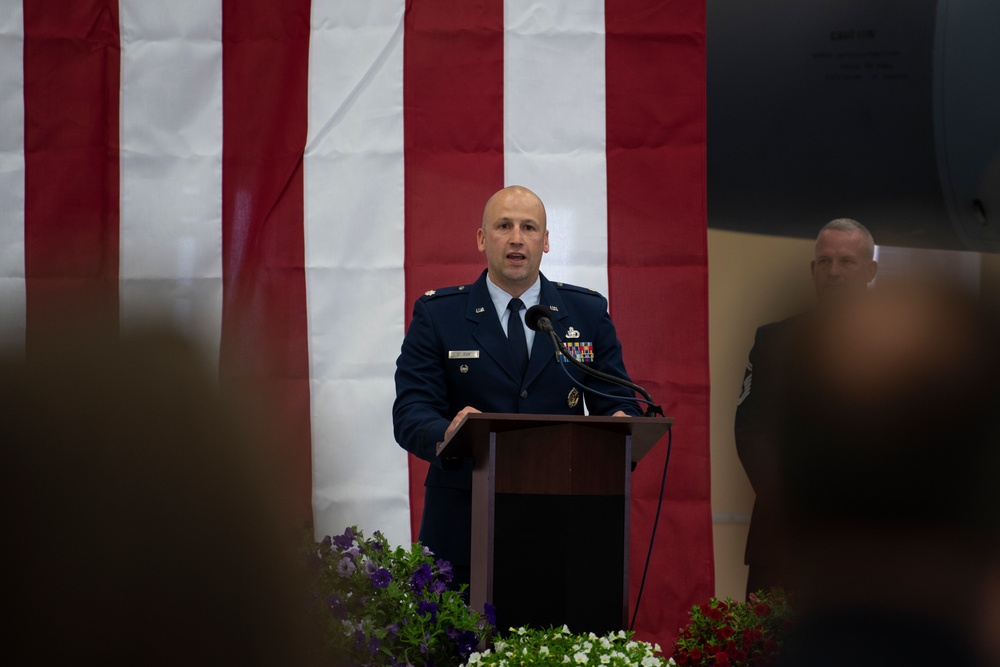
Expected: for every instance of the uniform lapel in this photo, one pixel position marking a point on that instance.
(487, 331)
(542, 350)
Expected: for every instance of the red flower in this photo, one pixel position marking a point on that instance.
(721, 659)
(715, 614)
(696, 654)
(724, 632)
(752, 635)
(681, 657)
(761, 609)
(705, 608)
(739, 656)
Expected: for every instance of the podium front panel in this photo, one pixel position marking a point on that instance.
(550, 527)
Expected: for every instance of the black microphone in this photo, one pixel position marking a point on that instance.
(539, 318)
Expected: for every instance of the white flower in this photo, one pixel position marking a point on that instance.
(565, 658)
(544, 650)
(605, 659)
(650, 662)
(565, 630)
(474, 657)
(580, 658)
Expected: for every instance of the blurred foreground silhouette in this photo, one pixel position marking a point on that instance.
(889, 458)
(144, 524)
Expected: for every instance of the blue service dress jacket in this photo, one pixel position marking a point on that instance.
(455, 353)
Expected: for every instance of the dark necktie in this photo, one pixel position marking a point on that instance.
(515, 336)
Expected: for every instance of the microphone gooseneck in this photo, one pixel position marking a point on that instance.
(539, 318)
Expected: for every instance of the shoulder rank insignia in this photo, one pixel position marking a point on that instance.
(430, 292)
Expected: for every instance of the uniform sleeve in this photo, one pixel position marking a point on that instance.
(420, 411)
(608, 359)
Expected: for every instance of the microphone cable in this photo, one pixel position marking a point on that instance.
(652, 410)
(656, 522)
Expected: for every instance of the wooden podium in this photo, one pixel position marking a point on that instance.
(550, 514)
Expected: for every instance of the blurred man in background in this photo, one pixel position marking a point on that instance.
(842, 267)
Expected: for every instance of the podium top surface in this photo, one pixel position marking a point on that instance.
(645, 431)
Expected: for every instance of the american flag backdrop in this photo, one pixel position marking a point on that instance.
(280, 179)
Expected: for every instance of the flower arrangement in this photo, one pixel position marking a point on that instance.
(735, 634)
(378, 605)
(526, 646)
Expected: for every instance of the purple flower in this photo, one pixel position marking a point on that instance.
(337, 606)
(490, 612)
(371, 567)
(421, 577)
(392, 630)
(346, 567)
(359, 640)
(430, 608)
(373, 644)
(381, 578)
(345, 541)
(444, 570)
(438, 586)
(467, 642)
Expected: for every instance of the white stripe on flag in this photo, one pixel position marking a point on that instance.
(171, 166)
(554, 128)
(354, 264)
(12, 168)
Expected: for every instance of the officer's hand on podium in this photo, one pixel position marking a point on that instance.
(468, 409)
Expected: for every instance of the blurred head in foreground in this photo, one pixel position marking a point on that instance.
(142, 525)
(890, 457)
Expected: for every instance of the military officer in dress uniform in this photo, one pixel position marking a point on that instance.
(842, 267)
(468, 350)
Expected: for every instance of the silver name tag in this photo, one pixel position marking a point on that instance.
(463, 354)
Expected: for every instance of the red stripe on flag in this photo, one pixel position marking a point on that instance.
(71, 79)
(453, 128)
(264, 350)
(657, 255)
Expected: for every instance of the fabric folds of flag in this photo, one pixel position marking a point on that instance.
(280, 181)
